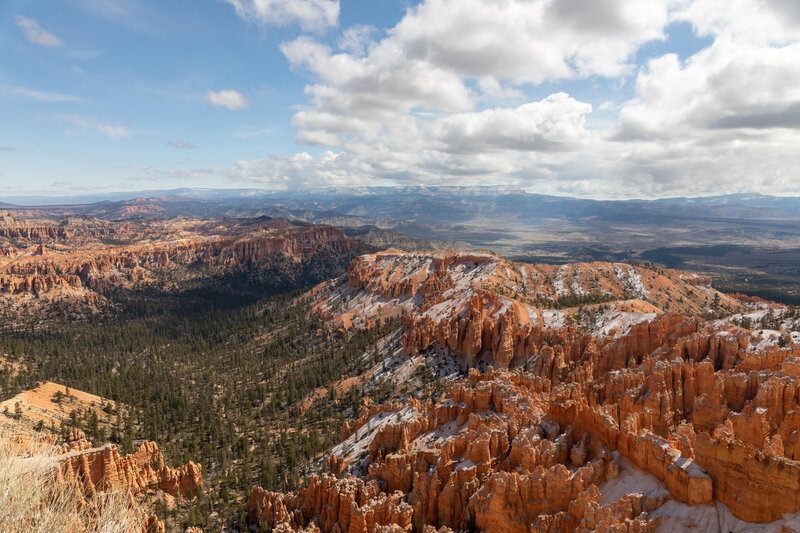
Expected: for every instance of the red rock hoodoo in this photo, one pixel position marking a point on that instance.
(618, 405)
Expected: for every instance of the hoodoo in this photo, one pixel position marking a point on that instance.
(595, 403)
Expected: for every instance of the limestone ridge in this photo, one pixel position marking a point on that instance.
(624, 413)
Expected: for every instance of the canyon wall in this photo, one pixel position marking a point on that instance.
(613, 392)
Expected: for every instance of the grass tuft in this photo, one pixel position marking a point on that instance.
(32, 500)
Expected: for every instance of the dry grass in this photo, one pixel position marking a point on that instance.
(32, 501)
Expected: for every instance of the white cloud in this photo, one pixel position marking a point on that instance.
(725, 119)
(758, 22)
(726, 86)
(457, 149)
(444, 97)
(492, 90)
(357, 40)
(553, 124)
(308, 14)
(35, 33)
(385, 82)
(46, 96)
(229, 99)
(425, 60)
(382, 91)
(402, 109)
(114, 132)
(530, 40)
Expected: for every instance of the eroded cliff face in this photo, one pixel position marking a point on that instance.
(629, 417)
(72, 260)
(83, 475)
(103, 469)
(486, 309)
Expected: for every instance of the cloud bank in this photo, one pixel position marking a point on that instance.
(502, 92)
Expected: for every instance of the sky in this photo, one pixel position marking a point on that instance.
(587, 98)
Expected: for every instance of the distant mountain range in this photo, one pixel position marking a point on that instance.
(739, 238)
(483, 216)
(742, 199)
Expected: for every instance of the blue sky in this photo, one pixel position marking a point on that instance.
(608, 99)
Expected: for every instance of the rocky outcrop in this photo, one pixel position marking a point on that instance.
(38, 284)
(757, 484)
(82, 476)
(348, 504)
(35, 233)
(704, 411)
(103, 468)
(483, 308)
(80, 264)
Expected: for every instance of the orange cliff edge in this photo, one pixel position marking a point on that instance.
(47, 260)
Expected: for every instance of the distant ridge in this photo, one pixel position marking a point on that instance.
(753, 199)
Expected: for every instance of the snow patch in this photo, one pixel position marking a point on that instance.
(619, 320)
(554, 319)
(631, 281)
(680, 516)
(358, 443)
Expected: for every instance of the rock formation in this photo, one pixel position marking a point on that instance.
(485, 308)
(688, 411)
(92, 472)
(69, 260)
(103, 468)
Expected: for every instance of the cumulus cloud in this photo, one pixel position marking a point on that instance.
(229, 99)
(386, 91)
(728, 85)
(424, 104)
(385, 82)
(35, 33)
(530, 40)
(357, 40)
(308, 14)
(6, 148)
(751, 21)
(726, 118)
(553, 124)
(425, 60)
(180, 144)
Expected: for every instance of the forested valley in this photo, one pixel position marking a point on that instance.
(214, 373)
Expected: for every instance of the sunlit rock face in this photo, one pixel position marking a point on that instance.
(73, 262)
(621, 413)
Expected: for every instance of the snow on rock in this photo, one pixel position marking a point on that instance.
(558, 283)
(620, 321)
(554, 319)
(357, 445)
(630, 481)
(631, 281)
(717, 517)
(680, 516)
